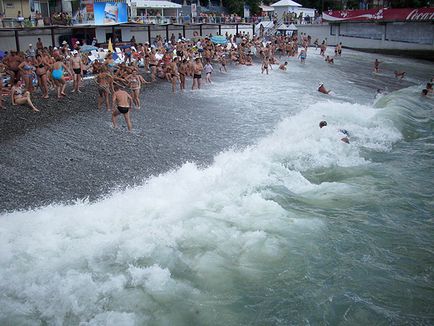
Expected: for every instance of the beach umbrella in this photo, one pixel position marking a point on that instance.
(88, 48)
(110, 45)
(219, 39)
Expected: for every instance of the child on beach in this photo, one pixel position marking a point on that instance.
(208, 71)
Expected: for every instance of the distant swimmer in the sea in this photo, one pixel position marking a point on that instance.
(322, 89)
(283, 66)
(429, 87)
(344, 132)
(121, 105)
(377, 66)
(424, 92)
(329, 60)
(400, 74)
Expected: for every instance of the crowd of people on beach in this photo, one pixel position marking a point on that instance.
(120, 81)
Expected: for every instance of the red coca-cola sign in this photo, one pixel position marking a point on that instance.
(382, 14)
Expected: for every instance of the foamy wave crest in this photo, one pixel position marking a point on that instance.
(173, 250)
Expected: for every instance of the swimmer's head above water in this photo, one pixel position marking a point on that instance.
(322, 124)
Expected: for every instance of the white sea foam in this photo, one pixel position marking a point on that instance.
(183, 238)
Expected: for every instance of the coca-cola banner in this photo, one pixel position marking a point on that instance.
(382, 14)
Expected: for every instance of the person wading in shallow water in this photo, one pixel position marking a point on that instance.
(121, 105)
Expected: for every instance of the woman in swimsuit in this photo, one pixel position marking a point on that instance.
(41, 72)
(27, 68)
(135, 83)
(183, 71)
(153, 64)
(57, 74)
(19, 97)
(105, 87)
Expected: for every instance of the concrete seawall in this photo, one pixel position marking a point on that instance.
(8, 40)
(415, 39)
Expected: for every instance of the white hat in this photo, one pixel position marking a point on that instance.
(64, 42)
(30, 44)
(78, 42)
(54, 48)
(74, 52)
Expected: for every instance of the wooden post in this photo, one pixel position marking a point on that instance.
(253, 28)
(17, 41)
(53, 40)
(149, 34)
(167, 32)
(113, 37)
(183, 30)
(200, 30)
(220, 29)
(236, 28)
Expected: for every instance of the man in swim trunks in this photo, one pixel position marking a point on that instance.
(197, 73)
(399, 74)
(121, 105)
(76, 64)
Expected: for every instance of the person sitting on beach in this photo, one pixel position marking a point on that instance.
(283, 66)
(322, 89)
(121, 105)
(197, 73)
(21, 97)
(329, 60)
(399, 74)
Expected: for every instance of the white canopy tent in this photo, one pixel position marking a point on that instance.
(156, 4)
(285, 6)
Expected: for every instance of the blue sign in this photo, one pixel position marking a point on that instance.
(110, 13)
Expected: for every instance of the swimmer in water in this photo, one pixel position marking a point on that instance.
(342, 131)
(424, 92)
(322, 89)
(377, 66)
(400, 74)
(329, 60)
(121, 105)
(283, 66)
(429, 88)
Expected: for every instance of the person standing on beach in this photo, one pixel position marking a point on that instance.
(174, 73)
(197, 73)
(57, 75)
(183, 72)
(105, 87)
(77, 67)
(135, 82)
(121, 105)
